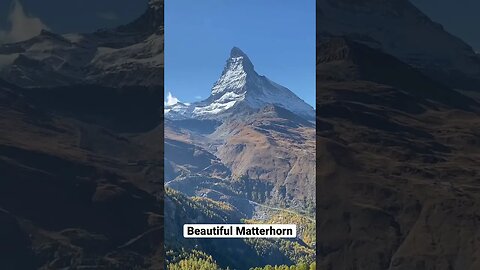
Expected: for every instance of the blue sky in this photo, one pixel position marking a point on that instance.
(277, 35)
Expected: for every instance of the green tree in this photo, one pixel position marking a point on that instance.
(302, 266)
(194, 263)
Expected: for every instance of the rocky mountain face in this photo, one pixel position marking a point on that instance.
(250, 149)
(397, 147)
(81, 175)
(89, 154)
(405, 33)
(129, 55)
(259, 130)
(239, 89)
(65, 181)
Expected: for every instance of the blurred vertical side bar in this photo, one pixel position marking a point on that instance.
(398, 128)
(81, 139)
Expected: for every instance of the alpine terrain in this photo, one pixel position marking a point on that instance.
(245, 154)
(398, 148)
(81, 182)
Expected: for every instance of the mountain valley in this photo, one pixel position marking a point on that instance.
(254, 155)
(394, 152)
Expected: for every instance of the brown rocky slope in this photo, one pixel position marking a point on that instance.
(74, 193)
(397, 165)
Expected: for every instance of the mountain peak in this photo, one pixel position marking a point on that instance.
(237, 52)
(241, 88)
(152, 21)
(240, 83)
(234, 75)
(239, 59)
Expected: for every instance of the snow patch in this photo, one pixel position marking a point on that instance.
(234, 77)
(213, 108)
(239, 83)
(171, 100)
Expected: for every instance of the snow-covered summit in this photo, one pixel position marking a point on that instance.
(177, 111)
(234, 75)
(241, 86)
